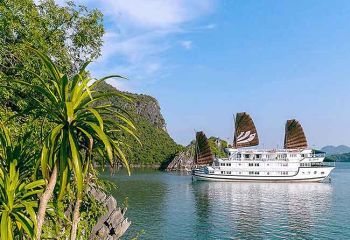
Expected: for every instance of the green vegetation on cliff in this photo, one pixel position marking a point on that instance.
(218, 146)
(344, 157)
(157, 146)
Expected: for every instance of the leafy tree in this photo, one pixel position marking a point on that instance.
(70, 34)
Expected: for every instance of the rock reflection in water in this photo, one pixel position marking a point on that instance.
(257, 210)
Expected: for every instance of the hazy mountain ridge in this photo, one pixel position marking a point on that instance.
(332, 150)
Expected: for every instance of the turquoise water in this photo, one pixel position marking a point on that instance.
(171, 206)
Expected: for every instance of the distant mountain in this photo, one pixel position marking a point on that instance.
(332, 150)
(344, 157)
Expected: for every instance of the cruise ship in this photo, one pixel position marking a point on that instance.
(295, 163)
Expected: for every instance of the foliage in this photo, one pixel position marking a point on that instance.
(18, 195)
(344, 157)
(157, 146)
(70, 34)
(78, 126)
(218, 146)
(91, 211)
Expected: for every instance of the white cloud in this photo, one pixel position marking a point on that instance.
(139, 31)
(186, 44)
(156, 13)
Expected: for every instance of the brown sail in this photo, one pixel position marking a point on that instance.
(245, 132)
(294, 137)
(203, 153)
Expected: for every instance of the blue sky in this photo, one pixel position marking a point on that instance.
(205, 60)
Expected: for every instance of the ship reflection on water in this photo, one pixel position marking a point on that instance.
(257, 210)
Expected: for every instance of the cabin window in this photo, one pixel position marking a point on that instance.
(222, 164)
(228, 172)
(315, 172)
(268, 173)
(251, 173)
(222, 172)
(238, 155)
(228, 164)
(257, 164)
(258, 156)
(322, 173)
(247, 156)
(240, 173)
(251, 164)
(239, 164)
(257, 173)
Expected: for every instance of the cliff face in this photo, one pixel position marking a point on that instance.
(143, 106)
(157, 146)
(148, 107)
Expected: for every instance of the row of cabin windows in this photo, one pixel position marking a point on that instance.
(279, 156)
(315, 172)
(225, 164)
(254, 164)
(268, 173)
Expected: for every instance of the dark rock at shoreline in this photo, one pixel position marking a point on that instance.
(113, 224)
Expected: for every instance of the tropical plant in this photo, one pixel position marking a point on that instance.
(69, 32)
(18, 196)
(80, 126)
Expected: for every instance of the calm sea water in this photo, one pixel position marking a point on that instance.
(171, 206)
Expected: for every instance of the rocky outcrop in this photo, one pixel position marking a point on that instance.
(183, 161)
(149, 108)
(113, 224)
(143, 106)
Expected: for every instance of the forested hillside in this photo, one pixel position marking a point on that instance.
(157, 146)
(344, 157)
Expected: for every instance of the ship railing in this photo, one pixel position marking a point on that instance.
(323, 164)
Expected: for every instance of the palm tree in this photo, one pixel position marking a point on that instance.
(80, 124)
(18, 196)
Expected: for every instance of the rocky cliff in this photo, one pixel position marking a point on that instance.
(157, 146)
(184, 160)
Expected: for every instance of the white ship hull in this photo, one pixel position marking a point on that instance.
(318, 177)
(267, 166)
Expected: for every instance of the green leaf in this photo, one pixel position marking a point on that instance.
(35, 184)
(76, 165)
(4, 225)
(103, 137)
